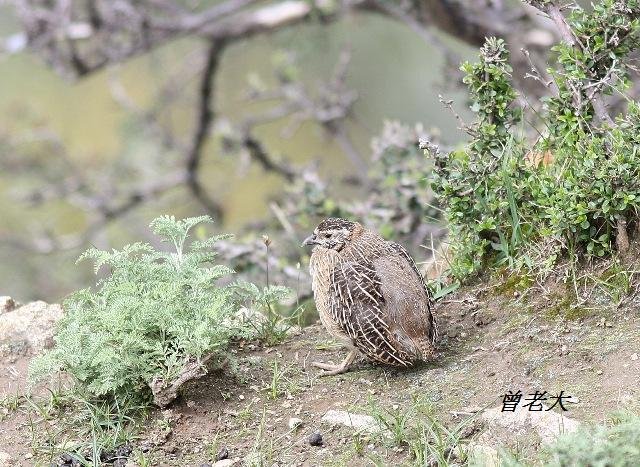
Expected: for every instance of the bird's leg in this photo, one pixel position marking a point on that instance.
(337, 369)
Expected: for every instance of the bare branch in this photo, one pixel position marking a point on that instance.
(112, 31)
(558, 18)
(260, 155)
(205, 117)
(194, 22)
(265, 19)
(102, 212)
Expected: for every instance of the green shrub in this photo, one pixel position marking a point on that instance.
(153, 322)
(482, 187)
(617, 444)
(574, 191)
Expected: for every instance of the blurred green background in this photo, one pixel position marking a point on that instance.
(397, 75)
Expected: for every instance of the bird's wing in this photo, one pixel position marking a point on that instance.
(357, 306)
(403, 253)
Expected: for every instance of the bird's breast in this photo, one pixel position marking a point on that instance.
(321, 266)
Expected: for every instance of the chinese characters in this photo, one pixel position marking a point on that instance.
(534, 403)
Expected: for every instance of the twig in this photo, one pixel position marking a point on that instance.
(259, 154)
(104, 212)
(282, 218)
(449, 105)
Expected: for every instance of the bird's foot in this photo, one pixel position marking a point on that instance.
(331, 369)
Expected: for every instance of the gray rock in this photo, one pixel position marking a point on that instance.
(294, 423)
(5, 458)
(6, 304)
(315, 439)
(29, 328)
(352, 420)
(547, 424)
(481, 455)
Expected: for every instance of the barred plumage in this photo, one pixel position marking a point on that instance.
(369, 294)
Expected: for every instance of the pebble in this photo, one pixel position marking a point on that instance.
(7, 304)
(294, 423)
(634, 356)
(226, 462)
(67, 458)
(223, 453)
(315, 439)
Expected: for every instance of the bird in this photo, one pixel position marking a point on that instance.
(370, 296)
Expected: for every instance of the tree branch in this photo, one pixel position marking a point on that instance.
(165, 392)
(194, 22)
(204, 119)
(260, 155)
(557, 17)
(103, 214)
(595, 97)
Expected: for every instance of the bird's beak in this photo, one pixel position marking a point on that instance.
(310, 240)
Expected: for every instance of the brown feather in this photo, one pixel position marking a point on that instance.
(370, 294)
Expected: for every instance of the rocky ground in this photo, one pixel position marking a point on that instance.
(273, 408)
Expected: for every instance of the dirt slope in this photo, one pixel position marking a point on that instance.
(489, 344)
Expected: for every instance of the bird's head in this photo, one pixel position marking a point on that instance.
(333, 233)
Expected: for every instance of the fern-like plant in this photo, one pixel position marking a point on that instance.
(153, 321)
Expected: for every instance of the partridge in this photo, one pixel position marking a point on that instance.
(369, 295)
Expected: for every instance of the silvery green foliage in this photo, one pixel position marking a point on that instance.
(152, 313)
(618, 444)
(615, 444)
